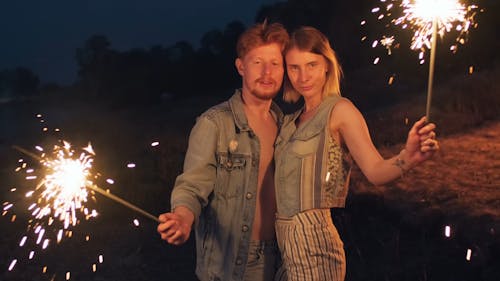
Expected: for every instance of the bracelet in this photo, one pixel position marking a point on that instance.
(400, 163)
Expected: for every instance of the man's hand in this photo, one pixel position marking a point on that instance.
(175, 227)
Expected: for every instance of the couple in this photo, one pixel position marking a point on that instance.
(258, 186)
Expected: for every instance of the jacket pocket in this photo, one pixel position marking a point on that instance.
(230, 174)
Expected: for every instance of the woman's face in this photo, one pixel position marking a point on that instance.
(306, 71)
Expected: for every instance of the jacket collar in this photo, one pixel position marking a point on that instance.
(240, 119)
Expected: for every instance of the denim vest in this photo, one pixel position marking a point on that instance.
(219, 185)
(312, 169)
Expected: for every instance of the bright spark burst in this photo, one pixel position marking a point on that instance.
(418, 16)
(65, 184)
(59, 195)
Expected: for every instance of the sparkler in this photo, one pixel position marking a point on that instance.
(67, 183)
(427, 18)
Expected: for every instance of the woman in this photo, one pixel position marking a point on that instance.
(312, 160)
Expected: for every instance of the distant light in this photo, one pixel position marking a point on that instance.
(110, 181)
(32, 254)
(155, 143)
(101, 259)
(471, 69)
(136, 222)
(468, 255)
(130, 165)
(376, 60)
(68, 275)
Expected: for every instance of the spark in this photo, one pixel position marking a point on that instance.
(447, 231)
(387, 43)
(12, 264)
(419, 15)
(468, 255)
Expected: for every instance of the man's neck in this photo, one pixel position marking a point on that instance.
(255, 105)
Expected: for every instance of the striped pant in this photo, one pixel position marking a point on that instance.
(311, 248)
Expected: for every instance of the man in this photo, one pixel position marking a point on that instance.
(227, 188)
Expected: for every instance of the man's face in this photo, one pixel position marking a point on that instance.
(262, 71)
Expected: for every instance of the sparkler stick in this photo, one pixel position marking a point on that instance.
(431, 70)
(98, 189)
(123, 202)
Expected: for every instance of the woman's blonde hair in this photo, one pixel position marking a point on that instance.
(310, 39)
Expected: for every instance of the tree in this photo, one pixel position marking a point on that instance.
(18, 82)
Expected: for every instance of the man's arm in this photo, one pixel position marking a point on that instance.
(193, 187)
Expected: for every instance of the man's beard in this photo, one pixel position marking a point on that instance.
(264, 95)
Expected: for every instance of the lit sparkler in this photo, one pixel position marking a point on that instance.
(427, 19)
(61, 193)
(67, 182)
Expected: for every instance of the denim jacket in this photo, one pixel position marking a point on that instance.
(218, 185)
(312, 169)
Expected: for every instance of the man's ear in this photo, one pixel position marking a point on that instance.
(239, 66)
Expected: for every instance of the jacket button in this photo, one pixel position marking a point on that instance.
(249, 195)
(244, 228)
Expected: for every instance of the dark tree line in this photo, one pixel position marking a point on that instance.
(147, 75)
(18, 82)
(179, 70)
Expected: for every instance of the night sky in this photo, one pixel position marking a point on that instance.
(43, 35)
